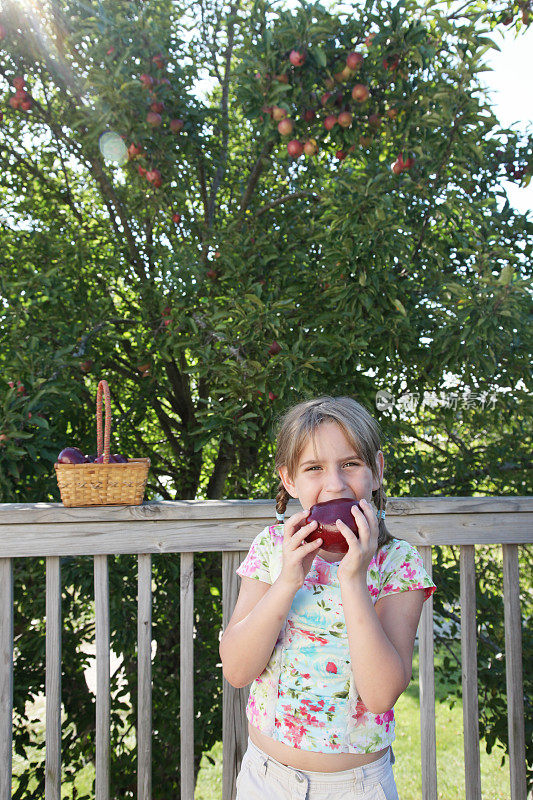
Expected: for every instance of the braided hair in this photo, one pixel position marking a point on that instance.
(360, 428)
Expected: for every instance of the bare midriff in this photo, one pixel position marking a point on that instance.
(307, 760)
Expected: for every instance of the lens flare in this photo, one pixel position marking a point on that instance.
(112, 147)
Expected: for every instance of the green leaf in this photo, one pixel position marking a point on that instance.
(399, 305)
(319, 55)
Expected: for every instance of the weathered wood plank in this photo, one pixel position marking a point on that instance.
(467, 570)
(427, 690)
(6, 676)
(144, 667)
(185, 510)
(101, 603)
(513, 671)
(234, 722)
(92, 538)
(187, 676)
(52, 790)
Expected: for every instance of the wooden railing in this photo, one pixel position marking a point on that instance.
(51, 531)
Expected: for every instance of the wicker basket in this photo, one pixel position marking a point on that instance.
(103, 484)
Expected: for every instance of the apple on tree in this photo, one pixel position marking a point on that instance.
(345, 119)
(278, 113)
(296, 58)
(176, 125)
(330, 122)
(146, 80)
(310, 147)
(360, 93)
(354, 60)
(285, 126)
(274, 348)
(294, 148)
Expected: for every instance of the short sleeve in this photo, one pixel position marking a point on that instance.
(258, 561)
(402, 569)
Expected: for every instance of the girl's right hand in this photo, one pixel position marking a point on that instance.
(297, 557)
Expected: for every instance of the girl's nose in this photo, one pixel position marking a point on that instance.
(335, 481)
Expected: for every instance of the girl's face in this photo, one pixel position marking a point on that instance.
(338, 472)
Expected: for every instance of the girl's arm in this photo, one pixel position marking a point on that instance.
(249, 639)
(381, 641)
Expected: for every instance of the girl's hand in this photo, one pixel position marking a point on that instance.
(297, 557)
(355, 563)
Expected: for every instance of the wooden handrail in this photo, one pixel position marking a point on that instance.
(228, 526)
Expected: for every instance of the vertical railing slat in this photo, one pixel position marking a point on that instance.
(234, 722)
(144, 667)
(101, 607)
(513, 671)
(6, 677)
(187, 675)
(52, 789)
(427, 690)
(467, 570)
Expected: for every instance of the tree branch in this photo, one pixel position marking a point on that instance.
(280, 200)
(217, 180)
(254, 177)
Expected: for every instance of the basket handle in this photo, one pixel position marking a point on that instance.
(103, 388)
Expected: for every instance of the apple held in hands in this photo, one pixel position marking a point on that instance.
(326, 515)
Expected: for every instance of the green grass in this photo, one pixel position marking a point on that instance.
(495, 784)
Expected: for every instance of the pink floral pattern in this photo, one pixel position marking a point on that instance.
(306, 696)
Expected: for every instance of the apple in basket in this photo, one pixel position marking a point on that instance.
(71, 455)
(326, 515)
(115, 458)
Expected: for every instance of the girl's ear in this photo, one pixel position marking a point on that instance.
(380, 463)
(288, 484)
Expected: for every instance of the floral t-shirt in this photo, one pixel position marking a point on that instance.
(306, 697)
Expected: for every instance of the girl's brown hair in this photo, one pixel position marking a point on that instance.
(360, 428)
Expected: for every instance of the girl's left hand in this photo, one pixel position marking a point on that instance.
(361, 551)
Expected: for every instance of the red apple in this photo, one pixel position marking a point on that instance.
(19, 82)
(26, 104)
(407, 164)
(157, 106)
(360, 93)
(153, 176)
(374, 120)
(153, 119)
(326, 514)
(86, 366)
(133, 151)
(14, 102)
(166, 311)
(345, 119)
(142, 171)
(296, 58)
(278, 113)
(146, 80)
(212, 274)
(176, 125)
(283, 78)
(274, 349)
(325, 97)
(341, 155)
(217, 254)
(396, 167)
(285, 126)
(309, 114)
(176, 218)
(159, 61)
(272, 396)
(310, 147)
(294, 148)
(369, 39)
(71, 455)
(354, 60)
(118, 458)
(330, 122)
(392, 113)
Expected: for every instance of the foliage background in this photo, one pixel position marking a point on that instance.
(369, 281)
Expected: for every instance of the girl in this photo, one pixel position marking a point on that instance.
(326, 639)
